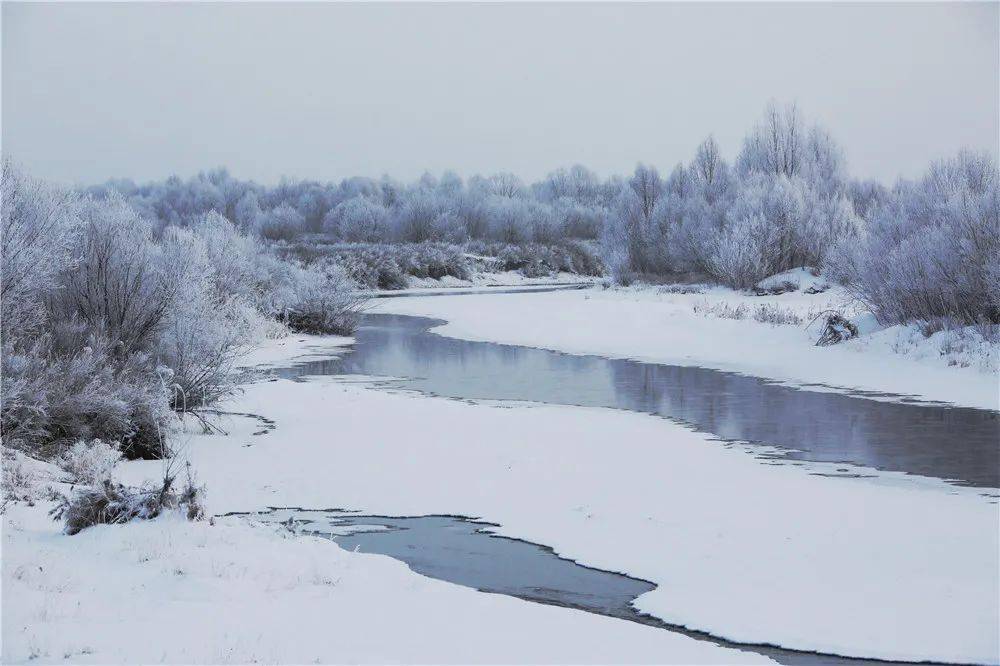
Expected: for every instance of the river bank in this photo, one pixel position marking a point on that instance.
(889, 567)
(235, 592)
(714, 327)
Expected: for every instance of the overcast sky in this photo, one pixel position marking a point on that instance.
(92, 91)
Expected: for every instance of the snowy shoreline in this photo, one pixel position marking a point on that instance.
(653, 325)
(911, 581)
(210, 581)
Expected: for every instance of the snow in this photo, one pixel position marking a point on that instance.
(889, 567)
(652, 324)
(800, 278)
(294, 348)
(178, 592)
(503, 279)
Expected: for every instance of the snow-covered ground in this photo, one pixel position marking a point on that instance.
(893, 567)
(227, 591)
(172, 591)
(890, 567)
(719, 328)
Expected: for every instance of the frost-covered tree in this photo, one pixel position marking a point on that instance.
(793, 180)
(932, 251)
(415, 220)
(37, 220)
(509, 219)
(114, 286)
(776, 145)
(647, 186)
(577, 219)
(206, 327)
(635, 236)
(358, 219)
(505, 185)
(281, 223)
(741, 254)
(247, 212)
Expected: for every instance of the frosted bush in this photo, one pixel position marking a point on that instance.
(36, 221)
(358, 219)
(327, 301)
(115, 287)
(18, 481)
(743, 254)
(765, 313)
(931, 251)
(418, 217)
(112, 503)
(281, 223)
(61, 391)
(89, 463)
(207, 326)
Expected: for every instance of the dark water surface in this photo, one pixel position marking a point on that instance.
(957, 444)
(466, 552)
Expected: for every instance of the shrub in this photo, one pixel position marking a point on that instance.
(89, 463)
(765, 313)
(682, 289)
(359, 219)
(281, 223)
(326, 301)
(115, 287)
(385, 266)
(35, 225)
(112, 503)
(743, 254)
(55, 394)
(536, 260)
(18, 482)
(933, 251)
(772, 314)
(208, 325)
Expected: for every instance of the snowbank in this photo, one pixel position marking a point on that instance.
(718, 328)
(891, 567)
(795, 279)
(485, 281)
(294, 348)
(178, 592)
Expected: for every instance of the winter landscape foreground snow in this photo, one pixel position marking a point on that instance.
(892, 567)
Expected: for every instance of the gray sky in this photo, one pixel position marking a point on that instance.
(92, 91)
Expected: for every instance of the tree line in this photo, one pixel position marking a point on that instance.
(916, 249)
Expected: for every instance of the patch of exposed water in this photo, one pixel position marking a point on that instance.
(782, 424)
(467, 552)
(959, 445)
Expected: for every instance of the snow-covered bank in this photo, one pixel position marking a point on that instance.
(652, 324)
(177, 592)
(490, 289)
(503, 279)
(227, 591)
(891, 567)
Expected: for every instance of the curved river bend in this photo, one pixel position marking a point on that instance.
(958, 445)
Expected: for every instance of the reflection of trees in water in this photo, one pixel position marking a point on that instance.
(927, 440)
(934, 441)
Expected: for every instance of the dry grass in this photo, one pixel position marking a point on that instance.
(112, 503)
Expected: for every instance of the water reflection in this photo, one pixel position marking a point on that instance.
(958, 444)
